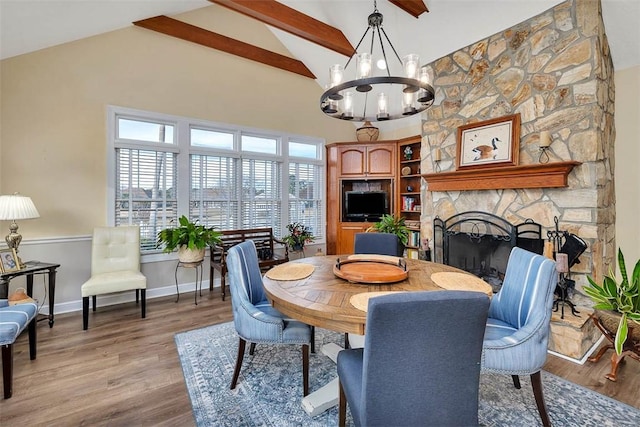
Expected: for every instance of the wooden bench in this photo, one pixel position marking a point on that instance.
(264, 241)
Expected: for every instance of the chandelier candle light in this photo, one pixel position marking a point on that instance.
(354, 99)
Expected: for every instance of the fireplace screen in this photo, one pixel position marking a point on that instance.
(480, 243)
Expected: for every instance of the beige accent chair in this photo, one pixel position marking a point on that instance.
(115, 267)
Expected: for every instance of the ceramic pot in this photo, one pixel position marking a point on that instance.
(367, 132)
(187, 255)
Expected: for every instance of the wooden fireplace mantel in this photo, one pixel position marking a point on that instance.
(545, 175)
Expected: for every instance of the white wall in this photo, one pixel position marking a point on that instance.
(627, 163)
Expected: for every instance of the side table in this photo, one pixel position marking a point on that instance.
(31, 268)
(199, 271)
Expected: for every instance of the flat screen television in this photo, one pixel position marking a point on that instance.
(365, 205)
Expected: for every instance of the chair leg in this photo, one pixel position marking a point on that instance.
(210, 279)
(137, 296)
(252, 348)
(85, 313)
(94, 301)
(516, 381)
(342, 407)
(143, 296)
(346, 341)
(7, 369)
(536, 384)
(313, 339)
(33, 339)
(236, 371)
(305, 370)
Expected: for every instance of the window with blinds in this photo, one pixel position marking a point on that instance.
(145, 179)
(221, 175)
(261, 194)
(215, 198)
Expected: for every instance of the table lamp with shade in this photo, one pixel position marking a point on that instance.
(14, 207)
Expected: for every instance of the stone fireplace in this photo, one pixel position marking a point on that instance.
(555, 71)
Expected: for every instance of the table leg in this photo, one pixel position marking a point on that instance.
(52, 294)
(326, 396)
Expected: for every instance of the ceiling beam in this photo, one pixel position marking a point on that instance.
(182, 30)
(290, 20)
(412, 7)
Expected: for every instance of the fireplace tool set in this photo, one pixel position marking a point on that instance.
(566, 248)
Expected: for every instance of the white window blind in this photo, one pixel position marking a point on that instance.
(214, 191)
(305, 196)
(145, 192)
(261, 194)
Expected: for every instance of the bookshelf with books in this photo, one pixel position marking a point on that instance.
(409, 181)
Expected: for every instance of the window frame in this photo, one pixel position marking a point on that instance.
(184, 150)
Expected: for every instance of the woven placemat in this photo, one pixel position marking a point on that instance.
(452, 281)
(290, 271)
(361, 301)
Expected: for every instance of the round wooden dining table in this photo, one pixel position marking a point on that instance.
(309, 290)
(324, 300)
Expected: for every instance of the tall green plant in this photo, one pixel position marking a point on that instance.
(622, 297)
(189, 234)
(393, 225)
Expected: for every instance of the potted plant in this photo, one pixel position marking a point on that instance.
(299, 234)
(190, 238)
(620, 299)
(393, 225)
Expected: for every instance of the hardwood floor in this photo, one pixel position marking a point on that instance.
(125, 370)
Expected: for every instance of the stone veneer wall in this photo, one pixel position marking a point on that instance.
(556, 71)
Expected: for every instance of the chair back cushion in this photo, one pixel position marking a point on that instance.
(378, 243)
(115, 249)
(242, 263)
(517, 334)
(421, 362)
(525, 291)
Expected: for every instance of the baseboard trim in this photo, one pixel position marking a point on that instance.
(124, 297)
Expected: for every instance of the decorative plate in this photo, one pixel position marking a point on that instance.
(405, 171)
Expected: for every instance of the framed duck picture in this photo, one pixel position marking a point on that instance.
(489, 143)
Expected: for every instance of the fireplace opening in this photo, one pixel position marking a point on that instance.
(480, 243)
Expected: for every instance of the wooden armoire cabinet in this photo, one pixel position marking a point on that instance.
(356, 167)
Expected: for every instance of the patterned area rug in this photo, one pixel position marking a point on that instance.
(269, 390)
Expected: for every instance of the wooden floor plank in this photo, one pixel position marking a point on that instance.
(125, 370)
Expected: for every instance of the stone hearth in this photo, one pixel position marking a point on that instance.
(573, 336)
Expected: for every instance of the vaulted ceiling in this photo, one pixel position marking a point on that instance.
(29, 25)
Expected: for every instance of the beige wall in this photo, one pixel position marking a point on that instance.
(53, 123)
(627, 170)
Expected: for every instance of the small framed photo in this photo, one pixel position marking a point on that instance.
(9, 260)
(490, 143)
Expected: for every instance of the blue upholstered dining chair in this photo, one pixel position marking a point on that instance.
(420, 365)
(256, 321)
(13, 320)
(517, 333)
(377, 243)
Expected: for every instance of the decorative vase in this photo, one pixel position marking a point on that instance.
(297, 247)
(367, 132)
(187, 255)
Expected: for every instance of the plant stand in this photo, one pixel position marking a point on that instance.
(630, 348)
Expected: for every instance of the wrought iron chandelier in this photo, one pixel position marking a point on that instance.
(370, 101)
